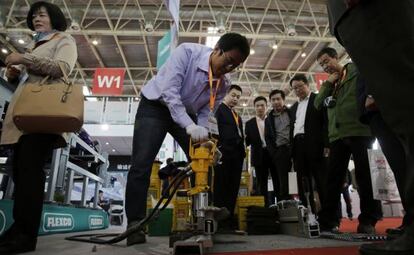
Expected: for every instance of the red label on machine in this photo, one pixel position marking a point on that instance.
(108, 81)
(320, 78)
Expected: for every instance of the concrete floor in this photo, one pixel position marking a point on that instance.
(56, 244)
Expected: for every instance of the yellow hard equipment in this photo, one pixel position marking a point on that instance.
(202, 157)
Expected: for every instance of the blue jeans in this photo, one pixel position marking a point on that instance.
(152, 122)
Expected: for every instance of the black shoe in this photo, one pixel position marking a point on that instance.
(136, 237)
(404, 245)
(395, 231)
(18, 243)
(329, 230)
(365, 229)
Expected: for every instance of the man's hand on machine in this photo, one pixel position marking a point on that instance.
(197, 133)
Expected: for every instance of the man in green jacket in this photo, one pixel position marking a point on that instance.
(347, 136)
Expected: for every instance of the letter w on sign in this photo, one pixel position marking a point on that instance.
(108, 81)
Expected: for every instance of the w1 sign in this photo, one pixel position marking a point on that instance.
(319, 79)
(108, 81)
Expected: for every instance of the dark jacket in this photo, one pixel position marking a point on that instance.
(316, 127)
(362, 93)
(253, 139)
(337, 10)
(270, 131)
(229, 138)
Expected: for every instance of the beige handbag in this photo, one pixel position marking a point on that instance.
(55, 107)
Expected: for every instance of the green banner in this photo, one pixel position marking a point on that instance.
(58, 218)
(164, 49)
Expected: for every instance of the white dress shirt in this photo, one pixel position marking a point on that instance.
(261, 125)
(300, 117)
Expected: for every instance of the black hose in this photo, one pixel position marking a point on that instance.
(117, 237)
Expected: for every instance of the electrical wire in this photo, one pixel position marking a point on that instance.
(117, 237)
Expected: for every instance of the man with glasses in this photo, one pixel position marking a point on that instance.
(310, 141)
(346, 136)
(179, 100)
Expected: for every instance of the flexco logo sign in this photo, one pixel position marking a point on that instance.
(2, 222)
(108, 81)
(53, 222)
(96, 221)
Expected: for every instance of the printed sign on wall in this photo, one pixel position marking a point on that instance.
(108, 81)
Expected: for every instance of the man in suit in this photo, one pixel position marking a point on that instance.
(310, 140)
(278, 140)
(231, 144)
(379, 36)
(259, 156)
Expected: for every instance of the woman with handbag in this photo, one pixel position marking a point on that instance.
(53, 55)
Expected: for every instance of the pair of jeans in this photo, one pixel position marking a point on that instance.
(152, 123)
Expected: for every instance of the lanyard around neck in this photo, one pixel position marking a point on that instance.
(236, 117)
(341, 84)
(213, 95)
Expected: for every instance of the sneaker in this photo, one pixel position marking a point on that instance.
(365, 229)
(136, 237)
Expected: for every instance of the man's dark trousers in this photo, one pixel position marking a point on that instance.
(227, 181)
(340, 152)
(283, 163)
(308, 168)
(262, 175)
(394, 152)
(152, 122)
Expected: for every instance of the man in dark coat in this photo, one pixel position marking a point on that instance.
(310, 141)
(379, 37)
(259, 155)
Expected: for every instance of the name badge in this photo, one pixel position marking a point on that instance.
(212, 124)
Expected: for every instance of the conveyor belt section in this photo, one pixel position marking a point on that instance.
(352, 237)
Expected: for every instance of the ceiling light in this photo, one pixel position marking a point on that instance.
(4, 51)
(303, 55)
(290, 29)
(106, 143)
(113, 150)
(252, 51)
(220, 22)
(21, 41)
(288, 105)
(244, 104)
(75, 25)
(95, 42)
(274, 46)
(149, 28)
(211, 40)
(105, 127)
